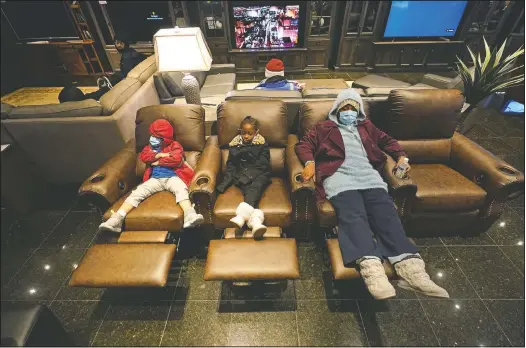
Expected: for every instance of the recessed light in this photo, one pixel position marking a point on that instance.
(457, 306)
(502, 224)
(47, 267)
(440, 274)
(32, 291)
(520, 242)
(75, 265)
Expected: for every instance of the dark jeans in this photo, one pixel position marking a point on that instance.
(252, 192)
(362, 214)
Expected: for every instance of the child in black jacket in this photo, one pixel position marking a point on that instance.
(248, 168)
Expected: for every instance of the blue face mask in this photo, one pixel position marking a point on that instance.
(155, 142)
(348, 117)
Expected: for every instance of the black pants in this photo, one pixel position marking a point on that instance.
(362, 214)
(73, 93)
(253, 191)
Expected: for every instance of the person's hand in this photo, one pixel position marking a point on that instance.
(401, 160)
(308, 172)
(156, 163)
(301, 86)
(162, 155)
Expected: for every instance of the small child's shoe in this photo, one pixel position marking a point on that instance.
(256, 224)
(192, 219)
(113, 224)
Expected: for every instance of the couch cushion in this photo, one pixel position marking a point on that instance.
(252, 94)
(112, 100)
(321, 93)
(124, 265)
(248, 259)
(421, 86)
(6, 110)
(162, 89)
(378, 81)
(215, 91)
(88, 107)
(324, 83)
(144, 69)
(156, 213)
(441, 188)
(220, 80)
(274, 203)
(236, 233)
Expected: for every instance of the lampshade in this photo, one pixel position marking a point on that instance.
(181, 49)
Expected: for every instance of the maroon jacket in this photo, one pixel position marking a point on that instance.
(324, 145)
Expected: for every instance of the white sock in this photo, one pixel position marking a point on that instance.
(121, 213)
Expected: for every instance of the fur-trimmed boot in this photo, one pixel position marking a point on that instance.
(375, 279)
(414, 277)
(243, 212)
(256, 224)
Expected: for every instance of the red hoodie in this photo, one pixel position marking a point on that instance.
(163, 129)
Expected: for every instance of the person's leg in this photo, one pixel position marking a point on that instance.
(357, 244)
(97, 94)
(177, 186)
(394, 244)
(141, 192)
(252, 194)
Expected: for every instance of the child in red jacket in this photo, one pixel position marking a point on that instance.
(166, 170)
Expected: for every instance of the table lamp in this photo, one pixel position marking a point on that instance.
(184, 50)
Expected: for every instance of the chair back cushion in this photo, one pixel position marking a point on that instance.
(144, 69)
(422, 113)
(112, 100)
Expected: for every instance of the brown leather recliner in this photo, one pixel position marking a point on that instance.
(143, 252)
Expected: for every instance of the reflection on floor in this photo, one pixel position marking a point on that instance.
(484, 276)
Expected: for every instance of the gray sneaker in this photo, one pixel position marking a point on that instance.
(193, 220)
(113, 224)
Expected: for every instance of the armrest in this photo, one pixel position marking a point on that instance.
(401, 190)
(222, 69)
(113, 179)
(203, 185)
(436, 80)
(499, 179)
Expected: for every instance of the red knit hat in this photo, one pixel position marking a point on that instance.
(274, 67)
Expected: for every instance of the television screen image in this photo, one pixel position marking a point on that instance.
(266, 26)
(424, 18)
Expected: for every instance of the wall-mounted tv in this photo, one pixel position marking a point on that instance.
(266, 26)
(424, 18)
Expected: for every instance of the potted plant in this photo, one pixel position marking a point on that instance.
(492, 75)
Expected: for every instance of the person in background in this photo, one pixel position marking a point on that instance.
(275, 78)
(345, 156)
(130, 58)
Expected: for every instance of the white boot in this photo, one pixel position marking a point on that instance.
(375, 279)
(243, 213)
(256, 224)
(414, 277)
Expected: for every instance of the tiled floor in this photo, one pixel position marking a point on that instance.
(484, 276)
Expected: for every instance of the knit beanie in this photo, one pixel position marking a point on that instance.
(274, 67)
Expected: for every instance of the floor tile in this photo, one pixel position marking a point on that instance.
(75, 231)
(496, 146)
(259, 296)
(517, 202)
(428, 241)
(330, 323)
(515, 254)
(481, 239)
(135, 325)
(30, 231)
(490, 272)
(396, 323)
(192, 286)
(196, 323)
(463, 323)
(12, 262)
(81, 319)
(517, 143)
(508, 229)
(480, 132)
(444, 271)
(510, 316)
(340, 75)
(519, 211)
(321, 76)
(313, 261)
(42, 275)
(263, 329)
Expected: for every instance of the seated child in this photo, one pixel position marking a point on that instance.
(166, 170)
(248, 167)
(275, 78)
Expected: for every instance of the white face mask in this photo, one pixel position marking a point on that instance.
(155, 142)
(348, 117)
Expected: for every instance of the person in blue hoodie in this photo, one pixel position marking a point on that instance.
(275, 78)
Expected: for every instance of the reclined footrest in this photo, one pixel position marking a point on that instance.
(339, 271)
(234, 233)
(143, 237)
(249, 259)
(124, 265)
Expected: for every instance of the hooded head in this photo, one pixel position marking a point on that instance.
(274, 67)
(347, 97)
(121, 42)
(162, 129)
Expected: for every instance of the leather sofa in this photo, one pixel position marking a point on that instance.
(143, 252)
(69, 141)
(455, 186)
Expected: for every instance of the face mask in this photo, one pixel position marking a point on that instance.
(348, 117)
(155, 142)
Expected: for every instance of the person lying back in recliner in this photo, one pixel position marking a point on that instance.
(166, 171)
(248, 167)
(344, 155)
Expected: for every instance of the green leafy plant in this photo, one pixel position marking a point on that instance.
(494, 74)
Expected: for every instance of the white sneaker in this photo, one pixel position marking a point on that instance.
(375, 279)
(415, 278)
(113, 224)
(255, 222)
(193, 219)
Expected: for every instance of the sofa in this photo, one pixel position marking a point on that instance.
(69, 141)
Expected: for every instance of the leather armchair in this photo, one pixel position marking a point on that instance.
(285, 199)
(111, 184)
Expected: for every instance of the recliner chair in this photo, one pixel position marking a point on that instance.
(143, 252)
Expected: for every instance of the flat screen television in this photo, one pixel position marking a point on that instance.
(267, 26)
(420, 19)
(39, 20)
